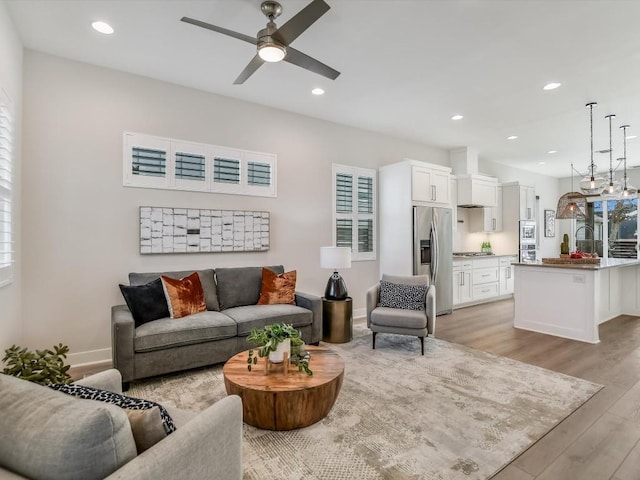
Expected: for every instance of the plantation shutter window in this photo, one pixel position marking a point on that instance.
(171, 164)
(354, 208)
(6, 189)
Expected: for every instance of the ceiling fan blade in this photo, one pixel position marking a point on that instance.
(298, 58)
(249, 70)
(291, 30)
(224, 31)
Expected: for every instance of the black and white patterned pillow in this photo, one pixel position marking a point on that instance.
(397, 295)
(122, 401)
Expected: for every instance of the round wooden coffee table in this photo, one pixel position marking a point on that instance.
(274, 401)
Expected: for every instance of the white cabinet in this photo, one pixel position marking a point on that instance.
(527, 203)
(431, 184)
(462, 282)
(487, 219)
(507, 275)
(477, 190)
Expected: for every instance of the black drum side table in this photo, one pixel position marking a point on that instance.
(337, 320)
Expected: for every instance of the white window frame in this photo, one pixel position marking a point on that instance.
(7, 165)
(210, 152)
(354, 216)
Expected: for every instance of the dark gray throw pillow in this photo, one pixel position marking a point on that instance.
(407, 297)
(146, 302)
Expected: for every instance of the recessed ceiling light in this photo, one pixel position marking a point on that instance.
(631, 137)
(317, 91)
(102, 27)
(512, 137)
(551, 152)
(457, 117)
(551, 86)
(541, 163)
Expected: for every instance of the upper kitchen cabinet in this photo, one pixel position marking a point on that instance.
(477, 190)
(487, 219)
(430, 183)
(523, 196)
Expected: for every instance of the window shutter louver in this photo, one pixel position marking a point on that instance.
(365, 195)
(259, 174)
(6, 190)
(344, 232)
(190, 166)
(344, 193)
(226, 170)
(148, 162)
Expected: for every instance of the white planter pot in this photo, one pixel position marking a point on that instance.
(278, 355)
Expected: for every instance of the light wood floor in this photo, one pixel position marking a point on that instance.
(600, 440)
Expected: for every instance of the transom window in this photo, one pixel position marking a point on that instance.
(6, 189)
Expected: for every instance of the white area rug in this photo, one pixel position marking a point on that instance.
(455, 413)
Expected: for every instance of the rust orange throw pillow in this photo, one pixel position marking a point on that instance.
(277, 288)
(184, 296)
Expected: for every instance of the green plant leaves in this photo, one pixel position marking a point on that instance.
(42, 366)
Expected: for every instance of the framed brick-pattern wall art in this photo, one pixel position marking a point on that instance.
(193, 230)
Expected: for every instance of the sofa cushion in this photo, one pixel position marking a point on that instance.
(257, 316)
(238, 287)
(146, 302)
(147, 427)
(393, 317)
(54, 436)
(184, 296)
(197, 328)
(206, 279)
(276, 288)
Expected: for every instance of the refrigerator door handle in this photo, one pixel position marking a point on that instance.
(435, 252)
(416, 243)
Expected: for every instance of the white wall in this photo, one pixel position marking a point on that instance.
(80, 228)
(11, 81)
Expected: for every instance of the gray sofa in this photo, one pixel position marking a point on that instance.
(206, 338)
(50, 435)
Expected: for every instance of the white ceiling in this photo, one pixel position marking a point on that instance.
(407, 65)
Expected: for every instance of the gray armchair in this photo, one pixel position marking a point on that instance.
(401, 321)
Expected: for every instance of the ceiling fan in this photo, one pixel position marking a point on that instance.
(273, 43)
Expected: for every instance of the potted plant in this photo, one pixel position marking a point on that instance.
(276, 339)
(42, 366)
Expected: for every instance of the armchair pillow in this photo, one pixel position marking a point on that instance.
(407, 297)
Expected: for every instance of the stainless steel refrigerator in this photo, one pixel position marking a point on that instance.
(432, 252)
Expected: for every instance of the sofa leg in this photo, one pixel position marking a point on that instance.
(125, 386)
(422, 344)
(374, 340)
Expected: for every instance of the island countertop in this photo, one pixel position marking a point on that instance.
(604, 263)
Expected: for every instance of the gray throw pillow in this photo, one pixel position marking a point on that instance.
(240, 286)
(406, 297)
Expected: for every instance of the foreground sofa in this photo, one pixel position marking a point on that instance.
(206, 338)
(50, 435)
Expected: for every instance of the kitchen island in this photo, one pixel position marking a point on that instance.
(572, 300)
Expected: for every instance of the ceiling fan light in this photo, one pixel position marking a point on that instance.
(271, 52)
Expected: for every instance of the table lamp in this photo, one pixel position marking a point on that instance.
(335, 258)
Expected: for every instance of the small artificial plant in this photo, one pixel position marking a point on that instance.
(42, 366)
(270, 336)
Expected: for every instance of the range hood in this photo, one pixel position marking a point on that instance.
(475, 190)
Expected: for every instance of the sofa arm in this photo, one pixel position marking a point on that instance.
(110, 380)
(208, 446)
(122, 333)
(373, 297)
(313, 303)
(430, 307)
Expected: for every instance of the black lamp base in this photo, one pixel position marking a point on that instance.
(336, 288)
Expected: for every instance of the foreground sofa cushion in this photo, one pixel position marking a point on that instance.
(54, 436)
(207, 281)
(238, 287)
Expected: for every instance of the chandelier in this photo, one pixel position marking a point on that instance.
(613, 189)
(592, 183)
(628, 190)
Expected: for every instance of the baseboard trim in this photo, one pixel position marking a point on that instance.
(90, 357)
(359, 313)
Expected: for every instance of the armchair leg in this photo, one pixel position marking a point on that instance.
(422, 344)
(374, 340)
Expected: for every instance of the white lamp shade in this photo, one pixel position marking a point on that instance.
(335, 257)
